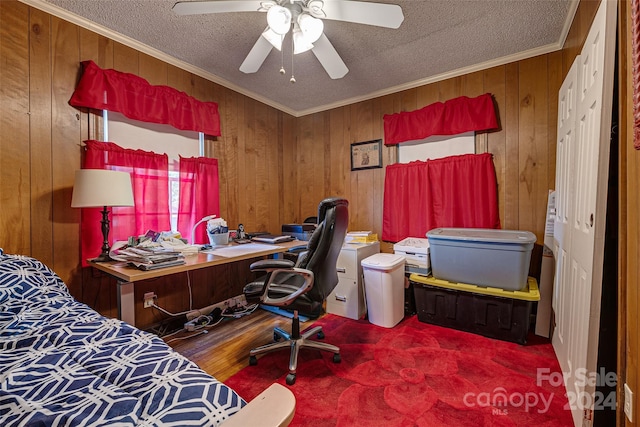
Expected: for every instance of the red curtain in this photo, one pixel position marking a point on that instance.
(452, 117)
(135, 98)
(150, 180)
(199, 195)
(455, 191)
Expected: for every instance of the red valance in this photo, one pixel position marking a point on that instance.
(135, 98)
(452, 117)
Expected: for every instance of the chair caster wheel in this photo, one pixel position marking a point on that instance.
(336, 358)
(276, 337)
(320, 335)
(291, 379)
(253, 361)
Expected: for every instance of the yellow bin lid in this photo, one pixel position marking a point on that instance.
(528, 293)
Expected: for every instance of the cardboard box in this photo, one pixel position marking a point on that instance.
(416, 253)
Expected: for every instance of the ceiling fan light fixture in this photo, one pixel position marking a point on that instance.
(279, 19)
(311, 27)
(266, 5)
(314, 8)
(273, 38)
(300, 42)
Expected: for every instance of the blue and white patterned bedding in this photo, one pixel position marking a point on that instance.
(62, 363)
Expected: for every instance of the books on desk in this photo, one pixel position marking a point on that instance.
(149, 258)
(270, 238)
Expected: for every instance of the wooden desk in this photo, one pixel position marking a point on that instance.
(128, 275)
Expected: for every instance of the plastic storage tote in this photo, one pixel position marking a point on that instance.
(486, 257)
(491, 312)
(384, 288)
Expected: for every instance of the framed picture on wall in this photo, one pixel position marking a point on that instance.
(366, 155)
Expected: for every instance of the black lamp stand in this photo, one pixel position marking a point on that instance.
(104, 255)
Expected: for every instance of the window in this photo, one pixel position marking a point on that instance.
(158, 138)
(435, 147)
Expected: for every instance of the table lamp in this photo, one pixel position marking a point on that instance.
(94, 188)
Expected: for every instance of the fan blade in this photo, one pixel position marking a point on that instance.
(329, 58)
(203, 7)
(256, 56)
(363, 12)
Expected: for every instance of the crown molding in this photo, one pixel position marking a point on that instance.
(440, 77)
(132, 43)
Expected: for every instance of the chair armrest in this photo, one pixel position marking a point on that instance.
(274, 407)
(307, 275)
(269, 264)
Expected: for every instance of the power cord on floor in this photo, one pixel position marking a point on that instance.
(203, 323)
(239, 311)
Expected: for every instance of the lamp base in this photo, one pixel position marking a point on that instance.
(102, 258)
(104, 255)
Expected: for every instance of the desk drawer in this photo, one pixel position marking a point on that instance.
(346, 300)
(347, 265)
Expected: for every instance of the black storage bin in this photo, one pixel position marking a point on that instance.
(491, 312)
(409, 299)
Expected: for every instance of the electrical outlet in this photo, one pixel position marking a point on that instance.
(628, 402)
(149, 299)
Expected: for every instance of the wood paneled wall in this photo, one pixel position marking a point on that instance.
(629, 228)
(524, 148)
(40, 149)
(274, 168)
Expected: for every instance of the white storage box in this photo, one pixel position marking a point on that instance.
(415, 251)
(384, 288)
(485, 257)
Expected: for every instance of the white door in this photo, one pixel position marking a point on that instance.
(579, 233)
(565, 180)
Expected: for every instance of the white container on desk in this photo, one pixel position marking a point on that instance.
(347, 299)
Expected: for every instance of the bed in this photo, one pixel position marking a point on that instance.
(62, 363)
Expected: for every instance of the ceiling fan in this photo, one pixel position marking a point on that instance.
(304, 19)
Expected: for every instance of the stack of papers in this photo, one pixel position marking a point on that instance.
(148, 258)
(361, 237)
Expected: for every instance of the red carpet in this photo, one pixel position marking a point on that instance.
(415, 374)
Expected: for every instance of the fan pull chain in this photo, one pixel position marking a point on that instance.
(292, 79)
(282, 71)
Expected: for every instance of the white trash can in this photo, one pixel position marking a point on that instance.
(384, 288)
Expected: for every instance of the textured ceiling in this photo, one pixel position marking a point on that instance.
(438, 39)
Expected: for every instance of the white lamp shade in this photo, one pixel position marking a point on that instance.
(311, 27)
(300, 42)
(279, 19)
(98, 188)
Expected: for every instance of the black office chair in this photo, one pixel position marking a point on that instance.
(303, 286)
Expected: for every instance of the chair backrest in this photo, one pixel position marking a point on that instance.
(325, 245)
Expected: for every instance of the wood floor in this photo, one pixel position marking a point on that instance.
(224, 349)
